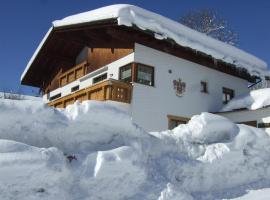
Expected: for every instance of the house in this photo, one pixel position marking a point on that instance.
(252, 109)
(162, 71)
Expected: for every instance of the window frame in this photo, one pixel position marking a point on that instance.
(204, 87)
(173, 118)
(120, 73)
(75, 88)
(96, 80)
(152, 77)
(134, 73)
(227, 91)
(54, 97)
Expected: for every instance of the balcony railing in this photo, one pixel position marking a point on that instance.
(73, 74)
(113, 90)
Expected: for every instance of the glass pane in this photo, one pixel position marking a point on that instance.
(145, 75)
(224, 97)
(126, 73)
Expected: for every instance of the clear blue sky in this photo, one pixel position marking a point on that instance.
(24, 23)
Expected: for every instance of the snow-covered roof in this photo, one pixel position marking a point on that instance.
(164, 28)
(256, 99)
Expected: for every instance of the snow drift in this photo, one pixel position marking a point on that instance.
(112, 158)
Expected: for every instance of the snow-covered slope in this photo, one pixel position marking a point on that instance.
(6, 95)
(164, 28)
(112, 158)
(254, 100)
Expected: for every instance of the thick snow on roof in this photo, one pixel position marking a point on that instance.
(165, 28)
(254, 100)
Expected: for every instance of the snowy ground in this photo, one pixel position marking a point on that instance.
(209, 158)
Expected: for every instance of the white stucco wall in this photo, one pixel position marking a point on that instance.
(260, 115)
(151, 105)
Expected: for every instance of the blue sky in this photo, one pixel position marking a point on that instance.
(24, 23)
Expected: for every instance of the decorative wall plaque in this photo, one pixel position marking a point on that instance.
(179, 87)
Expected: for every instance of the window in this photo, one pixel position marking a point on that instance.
(145, 75)
(100, 78)
(263, 125)
(139, 73)
(75, 88)
(175, 121)
(126, 73)
(204, 87)
(228, 94)
(55, 97)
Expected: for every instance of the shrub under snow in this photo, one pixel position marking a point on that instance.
(209, 158)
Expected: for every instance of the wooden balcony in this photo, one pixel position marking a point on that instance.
(73, 74)
(113, 90)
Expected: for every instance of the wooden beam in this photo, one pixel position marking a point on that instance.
(87, 26)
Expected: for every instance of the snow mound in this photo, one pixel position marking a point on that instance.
(208, 128)
(117, 173)
(256, 99)
(31, 173)
(94, 151)
(80, 126)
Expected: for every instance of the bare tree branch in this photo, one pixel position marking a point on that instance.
(209, 22)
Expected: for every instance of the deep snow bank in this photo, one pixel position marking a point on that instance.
(209, 158)
(89, 126)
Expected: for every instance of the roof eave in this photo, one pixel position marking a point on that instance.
(60, 28)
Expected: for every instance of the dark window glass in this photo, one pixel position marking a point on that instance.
(55, 97)
(100, 78)
(145, 75)
(126, 73)
(263, 125)
(204, 87)
(75, 88)
(228, 94)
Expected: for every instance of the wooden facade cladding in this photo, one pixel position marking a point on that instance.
(113, 90)
(96, 58)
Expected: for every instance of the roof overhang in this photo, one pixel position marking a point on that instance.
(60, 46)
(67, 37)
